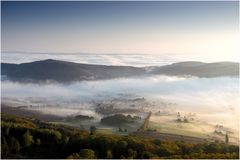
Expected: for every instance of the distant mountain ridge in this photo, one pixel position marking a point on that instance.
(199, 69)
(62, 71)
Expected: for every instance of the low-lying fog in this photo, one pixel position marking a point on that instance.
(138, 60)
(214, 100)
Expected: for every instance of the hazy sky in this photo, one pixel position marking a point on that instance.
(207, 28)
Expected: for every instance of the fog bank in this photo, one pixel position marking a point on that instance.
(208, 96)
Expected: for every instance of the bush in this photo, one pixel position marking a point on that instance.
(27, 139)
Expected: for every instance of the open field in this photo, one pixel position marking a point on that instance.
(166, 126)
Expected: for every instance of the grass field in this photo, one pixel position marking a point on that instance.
(168, 124)
(195, 128)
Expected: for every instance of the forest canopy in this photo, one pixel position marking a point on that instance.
(32, 138)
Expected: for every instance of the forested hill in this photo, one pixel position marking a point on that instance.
(31, 138)
(199, 69)
(62, 71)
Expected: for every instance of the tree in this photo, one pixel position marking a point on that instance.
(14, 146)
(178, 115)
(147, 155)
(27, 139)
(109, 154)
(122, 144)
(103, 144)
(120, 149)
(74, 156)
(157, 142)
(87, 154)
(122, 157)
(185, 119)
(56, 135)
(38, 141)
(131, 153)
(6, 131)
(50, 136)
(120, 129)
(92, 130)
(226, 138)
(65, 139)
(4, 147)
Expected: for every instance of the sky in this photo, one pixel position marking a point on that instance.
(202, 28)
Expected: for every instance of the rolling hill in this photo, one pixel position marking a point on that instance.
(61, 71)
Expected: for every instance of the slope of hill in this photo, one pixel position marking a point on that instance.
(199, 69)
(62, 71)
(65, 71)
(24, 138)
